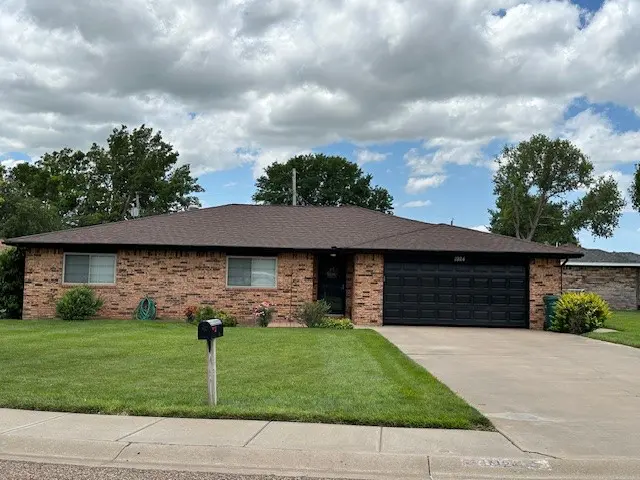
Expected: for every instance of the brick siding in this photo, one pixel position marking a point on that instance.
(617, 285)
(545, 277)
(174, 279)
(368, 283)
(177, 279)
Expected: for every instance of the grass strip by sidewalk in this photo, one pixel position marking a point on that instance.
(147, 368)
(628, 325)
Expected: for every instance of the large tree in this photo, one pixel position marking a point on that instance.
(546, 191)
(106, 182)
(634, 189)
(321, 180)
(21, 214)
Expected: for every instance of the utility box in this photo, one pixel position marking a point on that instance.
(210, 329)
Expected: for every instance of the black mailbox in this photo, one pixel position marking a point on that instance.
(209, 329)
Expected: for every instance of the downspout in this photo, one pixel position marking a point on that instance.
(562, 274)
(637, 288)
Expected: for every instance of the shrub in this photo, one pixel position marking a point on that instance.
(190, 313)
(579, 313)
(11, 283)
(312, 314)
(207, 312)
(263, 313)
(78, 303)
(228, 320)
(336, 323)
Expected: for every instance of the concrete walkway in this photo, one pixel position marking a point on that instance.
(560, 395)
(247, 446)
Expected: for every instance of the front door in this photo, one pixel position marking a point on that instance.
(332, 282)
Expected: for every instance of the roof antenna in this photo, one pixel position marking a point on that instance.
(135, 210)
(295, 188)
(452, 222)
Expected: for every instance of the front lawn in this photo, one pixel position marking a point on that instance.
(628, 324)
(147, 368)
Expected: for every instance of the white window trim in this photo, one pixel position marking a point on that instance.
(115, 269)
(226, 273)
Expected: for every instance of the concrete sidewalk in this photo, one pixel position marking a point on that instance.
(281, 448)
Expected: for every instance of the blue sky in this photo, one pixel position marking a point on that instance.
(423, 96)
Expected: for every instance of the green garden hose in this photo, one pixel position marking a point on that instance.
(146, 309)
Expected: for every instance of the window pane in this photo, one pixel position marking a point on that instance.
(263, 272)
(102, 269)
(76, 268)
(239, 273)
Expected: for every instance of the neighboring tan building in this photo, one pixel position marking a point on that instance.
(372, 267)
(615, 276)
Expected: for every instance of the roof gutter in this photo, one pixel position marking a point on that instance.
(601, 264)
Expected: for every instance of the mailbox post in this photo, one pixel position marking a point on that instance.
(209, 330)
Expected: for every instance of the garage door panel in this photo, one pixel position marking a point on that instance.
(481, 300)
(410, 298)
(393, 281)
(455, 294)
(445, 298)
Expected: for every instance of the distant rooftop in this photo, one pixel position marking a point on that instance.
(596, 256)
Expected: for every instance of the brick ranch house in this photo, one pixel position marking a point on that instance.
(615, 276)
(372, 267)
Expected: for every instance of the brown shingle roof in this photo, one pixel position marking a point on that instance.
(288, 227)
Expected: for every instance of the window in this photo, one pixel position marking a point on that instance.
(258, 272)
(89, 268)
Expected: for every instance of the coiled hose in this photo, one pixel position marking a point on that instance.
(146, 309)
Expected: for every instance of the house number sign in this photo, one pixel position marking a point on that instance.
(458, 259)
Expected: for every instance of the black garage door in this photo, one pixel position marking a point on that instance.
(458, 294)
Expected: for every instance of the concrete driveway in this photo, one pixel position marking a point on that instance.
(559, 395)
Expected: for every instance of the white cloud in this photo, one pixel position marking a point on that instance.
(265, 81)
(594, 134)
(418, 184)
(9, 163)
(368, 156)
(230, 184)
(481, 228)
(417, 204)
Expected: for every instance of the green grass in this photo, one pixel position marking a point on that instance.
(147, 368)
(628, 324)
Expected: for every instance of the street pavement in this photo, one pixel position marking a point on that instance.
(11, 470)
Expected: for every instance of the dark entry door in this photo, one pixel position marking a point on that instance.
(480, 295)
(332, 282)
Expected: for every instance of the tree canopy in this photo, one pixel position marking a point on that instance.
(68, 188)
(634, 189)
(546, 191)
(321, 180)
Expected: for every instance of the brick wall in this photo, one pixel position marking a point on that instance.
(617, 285)
(174, 279)
(544, 278)
(368, 281)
